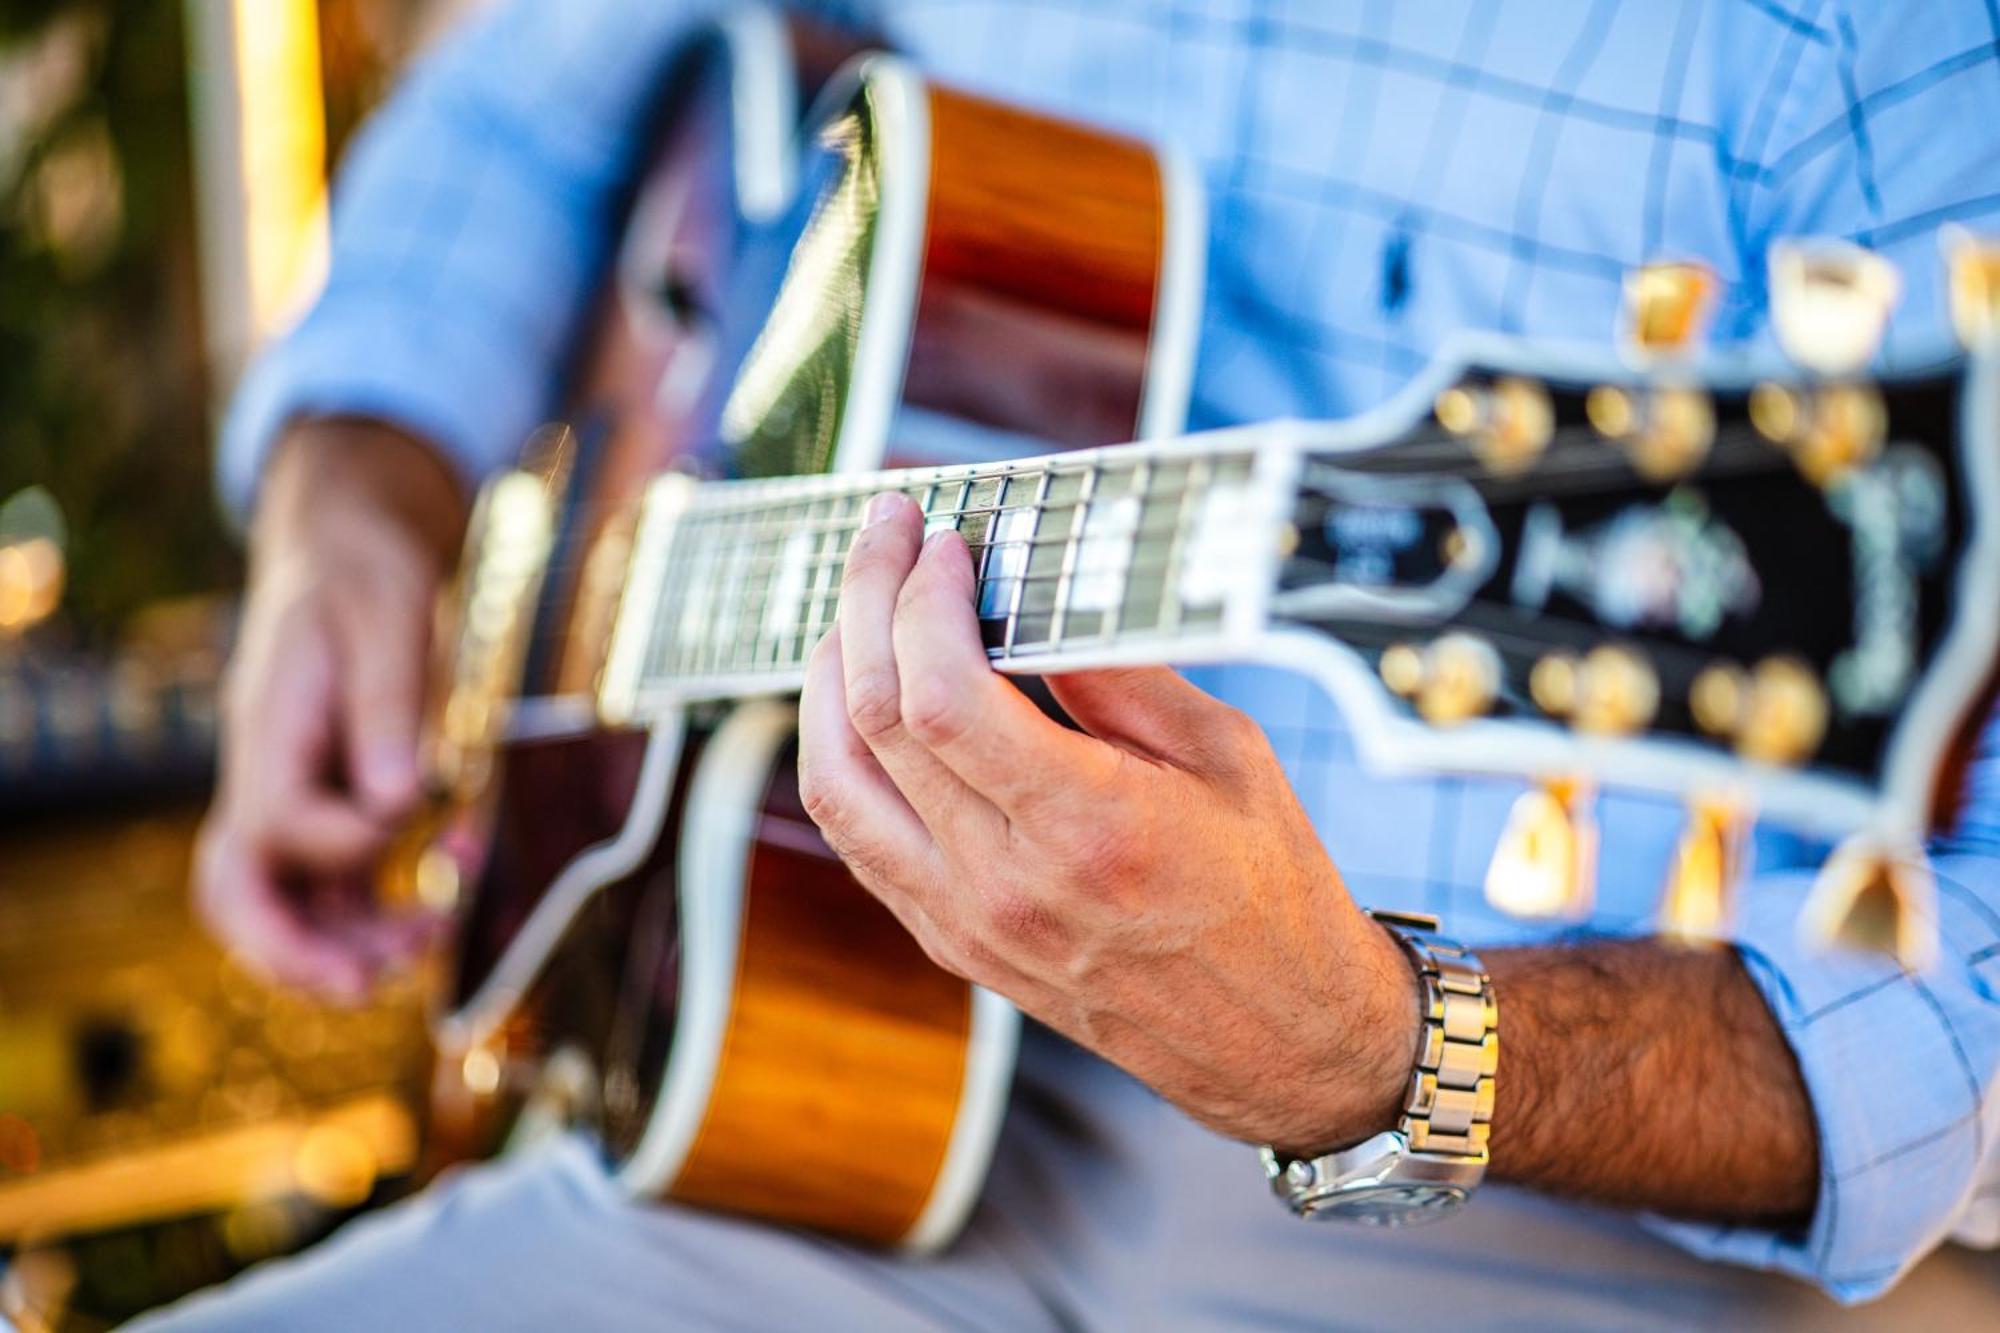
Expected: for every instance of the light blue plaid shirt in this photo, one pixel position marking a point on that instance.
(1381, 175)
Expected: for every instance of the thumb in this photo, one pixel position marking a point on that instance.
(384, 646)
(1151, 710)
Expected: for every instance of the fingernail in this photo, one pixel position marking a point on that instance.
(881, 509)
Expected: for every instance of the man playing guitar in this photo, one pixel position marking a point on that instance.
(1171, 890)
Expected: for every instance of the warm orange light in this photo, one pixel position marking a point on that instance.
(282, 124)
(31, 583)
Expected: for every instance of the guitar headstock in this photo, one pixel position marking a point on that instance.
(1767, 588)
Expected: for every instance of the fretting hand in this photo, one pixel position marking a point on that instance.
(1148, 886)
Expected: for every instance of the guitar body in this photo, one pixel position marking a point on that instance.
(774, 1011)
(657, 942)
(1757, 587)
(558, 808)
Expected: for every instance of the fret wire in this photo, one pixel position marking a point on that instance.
(777, 643)
(1059, 615)
(1021, 583)
(1114, 616)
(964, 504)
(758, 586)
(817, 580)
(979, 546)
(732, 585)
(830, 616)
(691, 621)
(1199, 477)
(666, 621)
(740, 547)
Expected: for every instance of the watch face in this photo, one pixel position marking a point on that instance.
(1398, 1205)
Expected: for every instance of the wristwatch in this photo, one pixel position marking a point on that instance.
(1431, 1162)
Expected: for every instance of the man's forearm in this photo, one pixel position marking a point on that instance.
(1651, 1077)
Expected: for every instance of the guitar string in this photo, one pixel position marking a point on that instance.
(779, 522)
(1560, 463)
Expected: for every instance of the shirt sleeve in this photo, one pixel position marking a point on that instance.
(1875, 143)
(471, 219)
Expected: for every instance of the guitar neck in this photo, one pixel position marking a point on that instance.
(1134, 553)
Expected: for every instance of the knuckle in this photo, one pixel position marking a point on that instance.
(933, 711)
(875, 703)
(1106, 848)
(1013, 916)
(821, 798)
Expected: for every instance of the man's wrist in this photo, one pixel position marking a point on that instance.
(1378, 1036)
(322, 468)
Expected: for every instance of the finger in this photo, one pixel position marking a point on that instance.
(345, 910)
(883, 554)
(846, 791)
(251, 915)
(384, 642)
(1153, 711)
(278, 726)
(983, 729)
(320, 834)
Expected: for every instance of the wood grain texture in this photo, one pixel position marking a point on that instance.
(840, 1073)
(1040, 272)
(1052, 213)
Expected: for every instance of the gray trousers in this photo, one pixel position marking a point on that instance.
(1107, 1210)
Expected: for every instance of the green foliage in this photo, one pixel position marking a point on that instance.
(102, 393)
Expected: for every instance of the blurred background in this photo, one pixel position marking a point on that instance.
(164, 1119)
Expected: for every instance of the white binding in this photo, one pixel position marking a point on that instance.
(763, 90)
(895, 265)
(1176, 331)
(763, 108)
(882, 352)
(991, 1041)
(1971, 645)
(605, 863)
(717, 834)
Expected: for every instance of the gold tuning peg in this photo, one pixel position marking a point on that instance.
(1876, 895)
(1972, 267)
(1699, 903)
(1545, 864)
(1453, 680)
(1830, 303)
(1783, 714)
(1667, 308)
(1617, 692)
(1508, 424)
(1666, 432)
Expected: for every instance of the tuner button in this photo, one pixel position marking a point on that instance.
(1617, 692)
(1775, 412)
(1844, 431)
(1830, 303)
(1667, 305)
(1552, 684)
(1460, 680)
(1545, 863)
(1508, 425)
(1610, 411)
(1459, 410)
(1784, 713)
(1700, 897)
(1677, 435)
(1461, 548)
(1876, 895)
(1716, 698)
(1973, 263)
(1402, 669)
